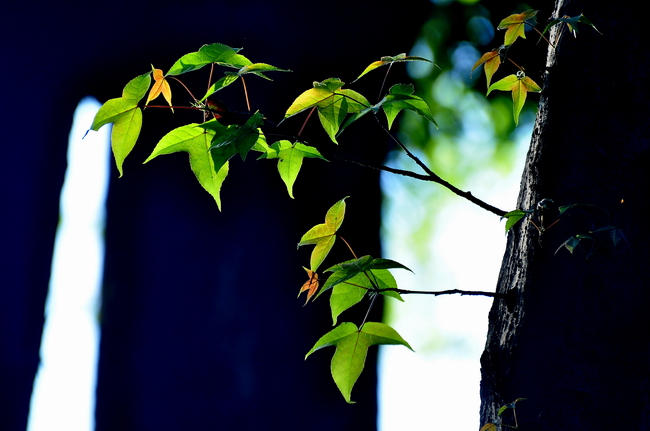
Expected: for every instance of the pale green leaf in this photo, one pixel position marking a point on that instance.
(332, 102)
(387, 60)
(290, 159)
(196, 141)
(126, 130)
(324, 235)
(352, 348)
(217, 53)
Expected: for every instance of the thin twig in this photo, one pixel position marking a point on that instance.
(432, 177)
(445, 292)
(184, 86)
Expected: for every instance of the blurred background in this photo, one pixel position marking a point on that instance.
(185, 317)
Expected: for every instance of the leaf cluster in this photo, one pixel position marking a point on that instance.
(518, 83)
(350, 282)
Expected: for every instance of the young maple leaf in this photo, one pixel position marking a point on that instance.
(520, 85)
(311, 285)
(160, 85)
(515, 26)
(492, 61)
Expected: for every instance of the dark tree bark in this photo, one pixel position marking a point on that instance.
(575, 340)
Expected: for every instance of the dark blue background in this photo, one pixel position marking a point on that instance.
(201, 328)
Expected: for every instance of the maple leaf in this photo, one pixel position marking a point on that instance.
(311, 285)
(399, 97)
(491, 61)
(388, 60)
(160, 86)
(196, 140)
(352, 348)
(352, 280)
(572, 23)
(332, 102)
(126, 117)
(290, 159)
(324, 235)
(520, 85)
(515, 26)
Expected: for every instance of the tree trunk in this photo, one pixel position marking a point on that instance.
(575, 340)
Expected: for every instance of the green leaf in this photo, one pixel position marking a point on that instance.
(515, 25)
(572, 242)
(351, 350)
(399, 97)
(258, 68)
(520, 85)
(234, 139)
(323, 235)
(509, 406)
(390, 60)
(222, 83)
(489, 427)
(513, 217)
(126, 116)
(572, 23)
(615, 234)
(196, 141)
(290, 159)
(332, 102)
(217, 53)
(352, 279)
(348, 290)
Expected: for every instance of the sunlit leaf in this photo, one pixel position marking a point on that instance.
(311, 285)
(233, 139)
(216, 53)
(520, 85)
(126, 116)
(222, 83)
(515, 26)
(290, 159)
(160, 86)
(399, 97)
(351, 349)
(491, 62)
(390, 60)
(489, 427)
(348, 292)
(332, 102)
(513, 217)
(196, 141)
(258, 68)
(324, 235)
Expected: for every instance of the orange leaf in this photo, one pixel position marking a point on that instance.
(311, 285)
(160, 85)
(515, 25)
(492, 60)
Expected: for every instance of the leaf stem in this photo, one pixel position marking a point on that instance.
(306, 120)
(351, 251)
(248, 103)
(383, 83)
(365, 318)
(184, 86)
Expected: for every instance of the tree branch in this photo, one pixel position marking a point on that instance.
(432, 177)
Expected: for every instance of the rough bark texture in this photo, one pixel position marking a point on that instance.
(576, 342)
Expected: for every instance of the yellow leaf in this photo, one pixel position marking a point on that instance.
(311, 285)
(160, 85)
